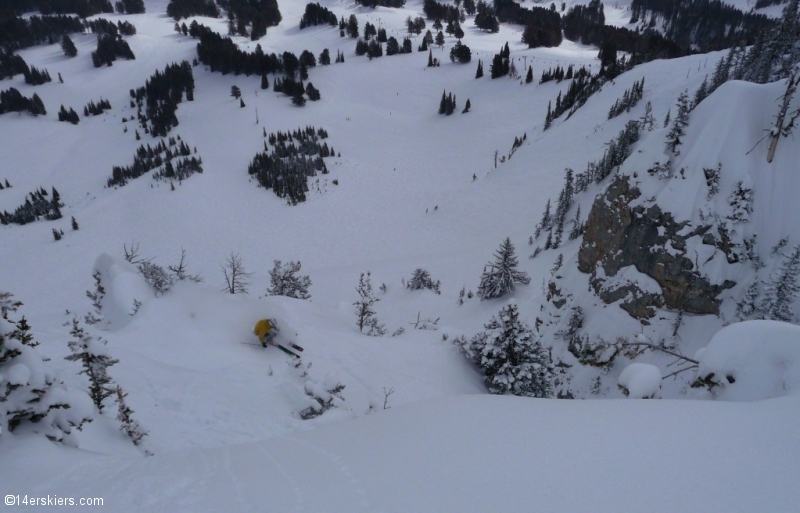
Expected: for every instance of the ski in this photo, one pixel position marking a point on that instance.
(282, 348)
(295, 346)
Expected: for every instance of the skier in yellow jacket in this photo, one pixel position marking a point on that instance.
(266, 330)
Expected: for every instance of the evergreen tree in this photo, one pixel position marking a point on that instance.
(479, 71)
(648, 121)
(467, 106)
(325, 57)
(264, 81)
(679, 124)
(128, 424)
(501, 276)
(781, 291)
(29, 393)
(365, 315)
(529, 76)
(421, 279)
(236, 92)
(285, 282)
(513, 361)
(68, 46)
(95, 362)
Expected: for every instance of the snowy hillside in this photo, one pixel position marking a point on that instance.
(403, 421)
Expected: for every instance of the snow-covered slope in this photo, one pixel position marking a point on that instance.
(473, 453)
(414, 189)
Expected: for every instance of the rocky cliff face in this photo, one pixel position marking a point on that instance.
(620, 233)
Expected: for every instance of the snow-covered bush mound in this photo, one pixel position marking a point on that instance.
(640, 381)
(751, 360)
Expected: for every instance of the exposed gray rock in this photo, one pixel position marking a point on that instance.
(618, 235)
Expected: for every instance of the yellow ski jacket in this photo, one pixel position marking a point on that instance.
(262, 329)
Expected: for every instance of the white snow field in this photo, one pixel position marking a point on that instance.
(413, 430)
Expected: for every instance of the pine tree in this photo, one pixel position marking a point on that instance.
(264, 81)
(529, 76)
(479, 71)
(95, 362)
(678, 129)
(236, 92)
(128, 424)
(443, 103)
(781, 290)
(467, 106)
(28, 392)
(513, 360)
(68, 46)
(285, 282)
(365, 315)
(501, 276)
(421, 279)
(648, 121)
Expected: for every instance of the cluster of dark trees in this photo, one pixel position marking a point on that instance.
(629, 99)
(371, 49)
(11, 64)
(542, 26)
(37, 206)
(178, 9)
(416, 25)
(129, 6)
(501, 62)
(257, 14)
(705, 24)
(583, 85)
(585, 24)
(11, 100)
(69, 116)
(17, 32)
(148, 158)
(223, 55)
(160, 97)
(382, 3)
(558, 74)
(294, 157)
(315, 15)
(350, 26)
(103, 26)
(435, 11)
(109, 48)
(459, 52)
(447, 105)
(83, 8)
(7, 185)
(34, 76)
(485, 18)
(95, 109)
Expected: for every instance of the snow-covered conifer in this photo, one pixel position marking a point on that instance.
(285, 282)
(128, 424)
(421, 279)
(678, 128)
(513, 360)
(156, 276)
(501, 276)
(741, 203)
(95, 361)
(365, 315)
(781, 290)
(29, 393)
